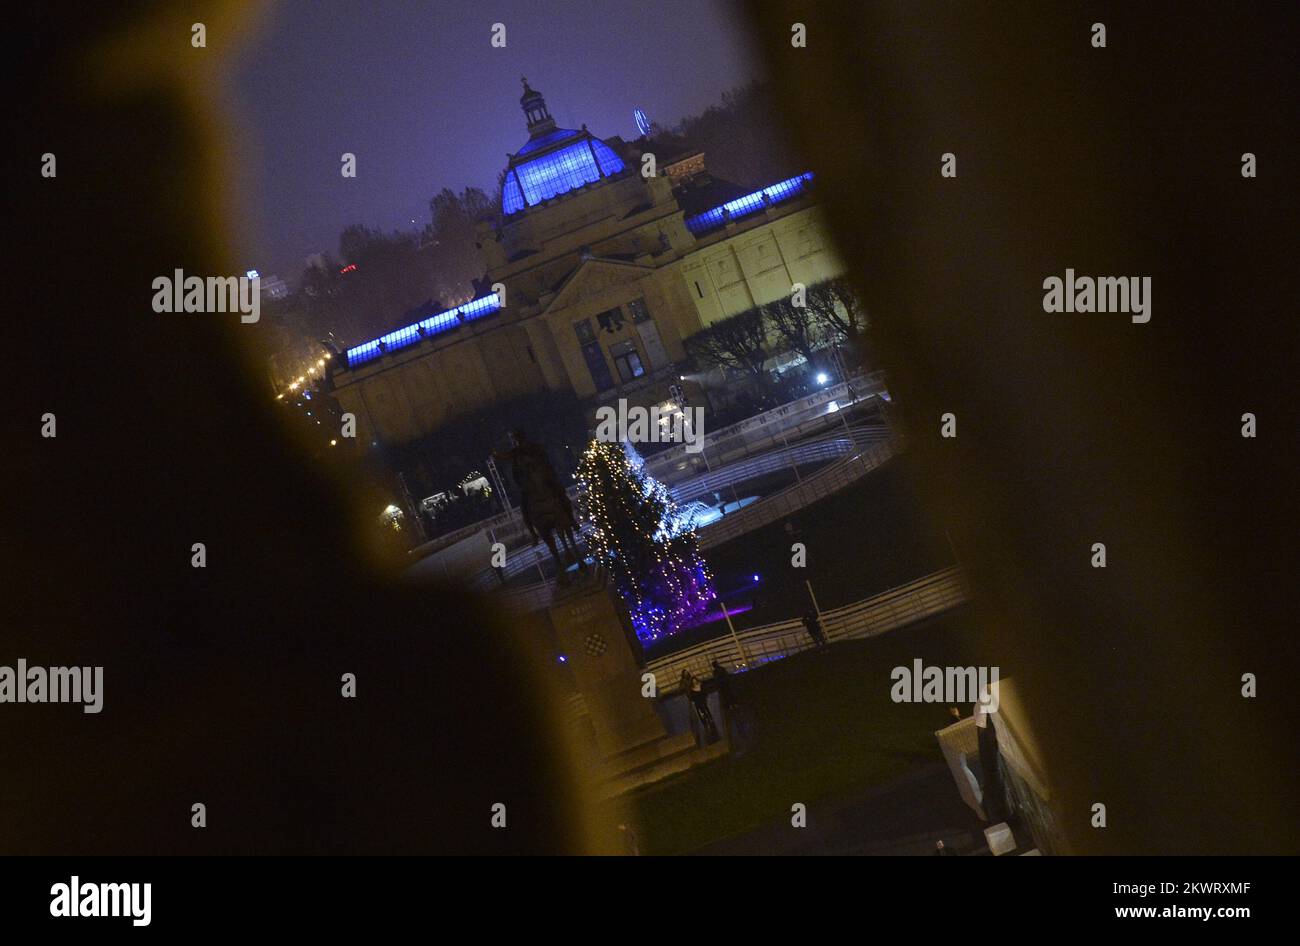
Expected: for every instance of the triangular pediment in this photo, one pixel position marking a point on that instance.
(595, 275)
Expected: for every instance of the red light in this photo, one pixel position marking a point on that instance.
(348, 268)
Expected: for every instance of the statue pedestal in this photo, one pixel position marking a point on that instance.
(634, 746)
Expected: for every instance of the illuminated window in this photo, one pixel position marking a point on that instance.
(512, 198)
(548, 139)
(559, 172)
(627, 361)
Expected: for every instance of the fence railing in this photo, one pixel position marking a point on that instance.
(934, 594)
(788, 501)
(793, 498)
(925, 597)
(820, 450)
(732, 448)
(522, 560)
(720, 445)
(772, 421)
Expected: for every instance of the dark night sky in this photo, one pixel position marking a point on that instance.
(417, 92)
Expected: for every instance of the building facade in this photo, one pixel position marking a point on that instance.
(596, 272)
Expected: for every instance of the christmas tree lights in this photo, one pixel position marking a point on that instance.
(643, 541)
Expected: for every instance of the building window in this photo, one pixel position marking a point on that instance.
(583, 329)
(629, 366)
(627, 361)
(639, 312)
(611, 320)
(600, 375)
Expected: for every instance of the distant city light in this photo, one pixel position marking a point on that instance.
(755, 578)
(563, 659)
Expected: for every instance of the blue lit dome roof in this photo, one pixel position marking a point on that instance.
(554, 160)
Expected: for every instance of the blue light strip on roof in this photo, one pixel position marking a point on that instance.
(748, 204)
(434, 325)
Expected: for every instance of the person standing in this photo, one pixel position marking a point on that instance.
(685, 682)
(734, 715)
(699, 701)
(813, 624)
(722, 682)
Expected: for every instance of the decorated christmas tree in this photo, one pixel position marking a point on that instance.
(648, 547)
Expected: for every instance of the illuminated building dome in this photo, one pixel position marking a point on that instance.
(554, 160)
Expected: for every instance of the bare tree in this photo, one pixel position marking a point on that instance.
(325, 297)
(737, 140)
(797, 326)
(837, 311)
(389, 276)
(450, 240)
(738, 343)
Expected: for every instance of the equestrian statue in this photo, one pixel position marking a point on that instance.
(546, 507)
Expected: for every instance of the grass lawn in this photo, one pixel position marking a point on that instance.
(824, 727)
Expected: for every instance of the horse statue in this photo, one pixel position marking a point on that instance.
(546, 508)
